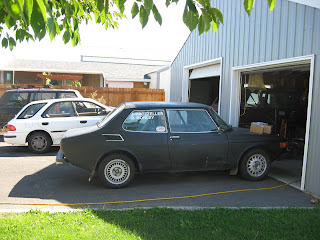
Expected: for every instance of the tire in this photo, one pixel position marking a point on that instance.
(255, 165)
(116, 171)
(39, 142)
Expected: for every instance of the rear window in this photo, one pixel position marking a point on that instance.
(31, 111)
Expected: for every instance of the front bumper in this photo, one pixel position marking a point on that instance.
(61, 159)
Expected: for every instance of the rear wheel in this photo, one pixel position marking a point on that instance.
(255, 165)
(116, 171)
(39, 142)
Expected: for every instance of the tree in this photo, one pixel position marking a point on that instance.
(32, 19)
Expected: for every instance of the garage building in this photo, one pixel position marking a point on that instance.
(262, 68)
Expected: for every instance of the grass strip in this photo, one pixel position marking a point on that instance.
(161, 223)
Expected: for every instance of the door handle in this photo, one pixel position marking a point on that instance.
(83, 121)
(45, 123)
(174, 137)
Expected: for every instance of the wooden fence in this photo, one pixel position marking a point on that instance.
(109, 96)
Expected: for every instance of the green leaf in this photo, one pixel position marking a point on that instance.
(28, 7)
(214, 26)
(272, 4)
(218, 14)
(106, 6)
(248, 5)
(143, 17)
(201, 25)
(148, 4)
(192, 20)
(12, 43)
(100, 4)
(10, 22)
(66, 36)
(134, 10)
(120, 5)
(41, 34)
(156, 14)
(42, 8)
(4, 42)
(191, 6)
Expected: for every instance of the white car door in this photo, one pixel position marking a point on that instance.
(88, 113)
(59, 118)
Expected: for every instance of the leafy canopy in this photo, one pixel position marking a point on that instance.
(32, 19)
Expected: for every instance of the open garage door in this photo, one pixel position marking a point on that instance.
(279, 97)
(204, 85)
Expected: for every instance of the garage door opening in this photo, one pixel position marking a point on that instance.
(206, 91)
(279, 97)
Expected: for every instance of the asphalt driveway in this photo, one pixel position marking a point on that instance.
(35, 179)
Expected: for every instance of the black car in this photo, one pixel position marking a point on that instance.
(160, 136)
(12, 101)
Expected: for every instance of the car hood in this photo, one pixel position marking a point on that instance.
(238, 135)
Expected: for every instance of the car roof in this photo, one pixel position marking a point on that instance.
(130, 105)
(40, 90)
(65, 99)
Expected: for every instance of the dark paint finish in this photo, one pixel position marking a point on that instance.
(163, 151)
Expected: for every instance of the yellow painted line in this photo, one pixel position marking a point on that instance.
(151, 199)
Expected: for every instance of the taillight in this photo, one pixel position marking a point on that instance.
(11, 128)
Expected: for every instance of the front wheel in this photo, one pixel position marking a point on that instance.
(255, 165)
(116, 171)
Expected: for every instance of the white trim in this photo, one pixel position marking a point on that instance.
(307, 136)
(50, 70)
(235, 95)
(310, 3)
(185, 79)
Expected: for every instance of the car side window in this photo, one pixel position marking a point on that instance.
(88, 109)
(31, 111)
(145, 121)
(60, 109)
(190, 121)
(18, 100)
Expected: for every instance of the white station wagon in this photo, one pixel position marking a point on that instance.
(42, 124)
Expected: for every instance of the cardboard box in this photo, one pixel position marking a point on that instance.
(260, 128)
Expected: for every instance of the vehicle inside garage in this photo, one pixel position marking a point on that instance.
(279, 97)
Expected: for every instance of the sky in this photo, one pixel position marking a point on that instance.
(128, 41)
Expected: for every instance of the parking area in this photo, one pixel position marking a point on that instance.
(28, 178)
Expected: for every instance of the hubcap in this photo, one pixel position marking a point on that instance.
(257, 165)
(39, 143)
(117, 171)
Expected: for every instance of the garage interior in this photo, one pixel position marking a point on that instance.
(206, 91)
(279, 97)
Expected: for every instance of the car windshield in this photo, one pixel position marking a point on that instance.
(222, 124)
(31, 111)
(110, 116)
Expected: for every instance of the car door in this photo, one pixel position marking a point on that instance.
(145, 134)
(195, 142)
(88, 113)
(58, 118)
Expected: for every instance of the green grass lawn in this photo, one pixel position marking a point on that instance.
(166, 224)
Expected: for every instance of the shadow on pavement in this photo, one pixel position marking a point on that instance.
(70, 184)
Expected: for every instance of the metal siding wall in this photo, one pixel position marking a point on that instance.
(291, 30)
(313, 164)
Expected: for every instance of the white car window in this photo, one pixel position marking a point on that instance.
(84, 108)
(60, 109)
(31, 111)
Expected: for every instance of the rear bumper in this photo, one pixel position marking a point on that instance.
(15, 138)
(61, 159)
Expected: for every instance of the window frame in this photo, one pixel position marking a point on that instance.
(193, 109)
